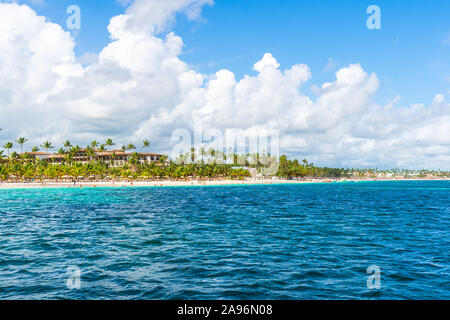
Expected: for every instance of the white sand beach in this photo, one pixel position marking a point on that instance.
(170, 183)
(128, 184)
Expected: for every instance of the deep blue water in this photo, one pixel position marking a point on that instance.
(311, 241)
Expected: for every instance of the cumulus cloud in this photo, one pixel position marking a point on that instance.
(138, 87)
(154, 16)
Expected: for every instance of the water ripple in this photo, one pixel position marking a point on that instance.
(242, 242)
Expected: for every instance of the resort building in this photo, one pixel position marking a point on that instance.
(115, 158)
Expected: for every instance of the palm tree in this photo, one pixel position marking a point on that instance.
(131, 147)
(102, 147)
(61, 151)
(163, 159)
(8, 146)
(35, 149)
(193, 154)
(203, 153)
(72, 153)
(146, 144)
(47, 145)
(212, 153)
(21, 141)
(109, 143)
(124, 148)
(94, 144)
(67, 144)
(90, 152)
(134, 159)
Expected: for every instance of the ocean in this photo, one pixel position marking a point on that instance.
(365, 240)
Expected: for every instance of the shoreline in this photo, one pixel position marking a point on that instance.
(193, 183)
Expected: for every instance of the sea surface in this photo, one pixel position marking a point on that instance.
(309, 241)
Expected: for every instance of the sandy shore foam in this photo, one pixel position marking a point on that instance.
(124, 184)
(168, 183)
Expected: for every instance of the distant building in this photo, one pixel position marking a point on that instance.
(385, 175)
(115, 158)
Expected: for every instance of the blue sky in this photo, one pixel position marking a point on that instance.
(410, 54)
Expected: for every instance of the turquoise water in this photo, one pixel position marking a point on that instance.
(311, 241)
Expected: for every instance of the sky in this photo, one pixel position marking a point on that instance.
(339, 93)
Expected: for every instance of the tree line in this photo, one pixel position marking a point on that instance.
(198, 163)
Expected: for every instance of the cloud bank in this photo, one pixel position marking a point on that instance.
(138, 87)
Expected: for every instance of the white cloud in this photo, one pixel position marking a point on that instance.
(439, 98)
(268, 61)
(154, 16)
(138, 87)
(88, 58)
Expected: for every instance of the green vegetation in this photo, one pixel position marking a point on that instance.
(26, 167)
(38, 170)
(289, 169)
(195, 164)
